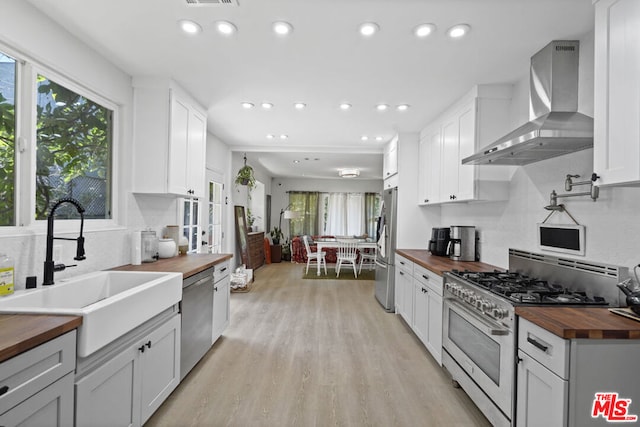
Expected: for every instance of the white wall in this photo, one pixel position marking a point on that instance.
(612, 226)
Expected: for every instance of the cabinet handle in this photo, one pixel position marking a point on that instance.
(215, 288)
(401, 273)
(426, 200)
(424, 291)
(425, 277)
(537, 344)
(141, 348)
(148, 344)
(4, 389)
(223, 269)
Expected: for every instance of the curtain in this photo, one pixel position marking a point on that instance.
(371, 213)
(306, 203)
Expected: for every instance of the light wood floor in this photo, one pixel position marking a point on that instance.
(315, 353)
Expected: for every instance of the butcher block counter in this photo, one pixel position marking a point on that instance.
(188, 265)
(581, 322)
(440, 264)
(22, 332)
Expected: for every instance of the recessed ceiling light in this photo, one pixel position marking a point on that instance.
(270, 136)
(190, 27)
(299, 105)
(282, 28)
(423, 30)
(378, 138)
(382, 107)
(458, 31)
(402, 107)
(267, 105)
(368, 29)
(247, 105)
(283, 136)
(296, 161)
(345, 106)
(364, 138)
(226, 28)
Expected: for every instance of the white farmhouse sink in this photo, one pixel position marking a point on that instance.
(111, 303)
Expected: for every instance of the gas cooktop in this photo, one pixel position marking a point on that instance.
(522, 289)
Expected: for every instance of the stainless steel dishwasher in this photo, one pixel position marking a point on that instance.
(197, 319)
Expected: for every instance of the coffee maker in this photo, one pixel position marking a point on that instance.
(439, 241)
(462, 246)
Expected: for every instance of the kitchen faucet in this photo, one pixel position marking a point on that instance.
(49, 266)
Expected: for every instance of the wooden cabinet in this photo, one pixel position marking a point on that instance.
(419, 302)
(38, 385)
(473, 122)
(169, 140)
(557, 379)
(130, 386)
(616, 148)
(255, 248)
(221, 296)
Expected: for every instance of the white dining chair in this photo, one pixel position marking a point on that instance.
(314, 257)
(368, 258)
(347, 253)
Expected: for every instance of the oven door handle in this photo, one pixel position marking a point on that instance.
(489, 328)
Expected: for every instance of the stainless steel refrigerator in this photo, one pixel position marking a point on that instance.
(385, 255)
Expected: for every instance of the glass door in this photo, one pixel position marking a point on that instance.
(215, 198)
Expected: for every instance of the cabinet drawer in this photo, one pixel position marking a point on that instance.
(404, 264)
(220, 271)
(543, 346)
(428, 278)
(26, 374)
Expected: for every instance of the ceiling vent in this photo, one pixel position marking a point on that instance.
(212, 2)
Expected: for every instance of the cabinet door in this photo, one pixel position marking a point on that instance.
(450, 156)
(542, 395)
(178, 147)
(51, 407)
(407, 297)
(390, 159)
(430, 167)
(110, 395)
(159, 366)
(220, 307)
(434, 326)
(617, 91)
(399, 290)
(420, 310)
(466, 147)
(197, 154)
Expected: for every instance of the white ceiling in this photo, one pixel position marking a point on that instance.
(322, 63)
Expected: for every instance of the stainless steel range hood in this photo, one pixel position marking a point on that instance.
(555, 127)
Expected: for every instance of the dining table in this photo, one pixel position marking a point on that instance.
(334, 242)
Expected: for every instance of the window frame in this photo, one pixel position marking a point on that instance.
(27, 70)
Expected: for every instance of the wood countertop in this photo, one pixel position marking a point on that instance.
(22, 332)
(440, 264)
(188, 265)
(581, 322)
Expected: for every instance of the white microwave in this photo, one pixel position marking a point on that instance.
(565, 238)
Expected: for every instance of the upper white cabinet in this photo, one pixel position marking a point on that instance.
(617, 92)
(476, 120)
(170, 131)
(390, 159)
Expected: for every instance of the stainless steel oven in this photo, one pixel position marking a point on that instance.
(479, 348)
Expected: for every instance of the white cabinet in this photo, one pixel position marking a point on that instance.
(169, 140)
(558, 379)
(221, 296)
(390, 159)
(128, 388)
(617, 92)
(419, 302)
(473, 122)
(37, 385)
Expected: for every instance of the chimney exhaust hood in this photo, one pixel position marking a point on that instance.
(555, 127)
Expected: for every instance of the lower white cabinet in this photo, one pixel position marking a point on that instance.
(221, 296)
(419, 302)
(129, 387)
(558, 380)
(37, 386)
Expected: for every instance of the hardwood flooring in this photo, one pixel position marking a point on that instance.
(315, 353)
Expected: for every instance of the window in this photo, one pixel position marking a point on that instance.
(73, 151)
(306, 203)
(191, 224)
(214, 227)
(7, 139)
(73, 158)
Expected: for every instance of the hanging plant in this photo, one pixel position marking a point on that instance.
(245, 176)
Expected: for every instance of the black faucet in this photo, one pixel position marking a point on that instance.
(49, 266)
